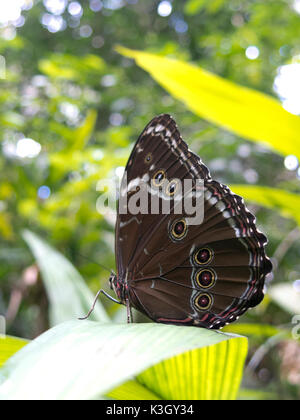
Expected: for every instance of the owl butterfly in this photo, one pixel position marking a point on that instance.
(170, 269)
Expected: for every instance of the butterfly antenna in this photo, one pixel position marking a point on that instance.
(94, 262)
(95, 301)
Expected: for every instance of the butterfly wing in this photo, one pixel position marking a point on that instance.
(206, 274)
(159, 146)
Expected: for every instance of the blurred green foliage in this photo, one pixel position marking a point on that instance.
(85, 104)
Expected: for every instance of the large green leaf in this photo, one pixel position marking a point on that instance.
(86, 360)
(287, 203)
(256, 330)
(9, 346)
(69, 297)
(132, 390)
(244, 111)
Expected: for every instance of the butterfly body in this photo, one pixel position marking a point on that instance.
(169, 267)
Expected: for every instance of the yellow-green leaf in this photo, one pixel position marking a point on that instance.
(9, 346)
(84, 132)
(132, 390)
(246, 112)
(88, 360)
(69, 67)
(257, 330)
(286, 202)
(69, 296)
(192, 7)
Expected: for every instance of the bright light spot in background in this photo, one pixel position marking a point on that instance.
(252, 52)
(96, 5)
(8, 33)
(237, 20)
(44, 192)
(28, 148)
(108, 80)
(217, 164)
(291, 163)
(97, 154)
(85, 31)
(19, 22)
(40, 81)
(75, 9)
(119, 171)
(121, 104)
(10, 11)
(73, 22)
(296, 285)
(296, 6)
(113, 4)
(8, 149)
(251, 176)
(57, 7)
(164, 8)
(27, 4)
(70, 111)
(287, 86)
(97, 41)
(116, 119)
(53, 23)
(244, 150)
(179, 24)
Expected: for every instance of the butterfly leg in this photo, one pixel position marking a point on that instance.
(129, 312)
(95, 300)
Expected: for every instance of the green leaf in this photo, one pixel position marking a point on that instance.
(256, 394)
(69, 297)
(287, 203)
(78, 137)
(9, 346)
(87, 360)
(70, 67)
(132, 390)
(285, 295)
(246, 112)
(84, 132)
(208, 373)
(256, 330)
(192, 7)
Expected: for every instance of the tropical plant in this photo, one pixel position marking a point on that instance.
(71, 104)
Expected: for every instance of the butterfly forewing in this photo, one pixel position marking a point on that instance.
(174, 271)
(159, 149)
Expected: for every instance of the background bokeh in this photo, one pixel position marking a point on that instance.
(71, 108)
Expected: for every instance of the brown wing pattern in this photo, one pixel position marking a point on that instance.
(207, 276)
(162, 140)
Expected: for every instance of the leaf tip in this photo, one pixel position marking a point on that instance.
(125, 51)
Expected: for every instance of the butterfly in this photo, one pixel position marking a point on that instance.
(203, 274)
